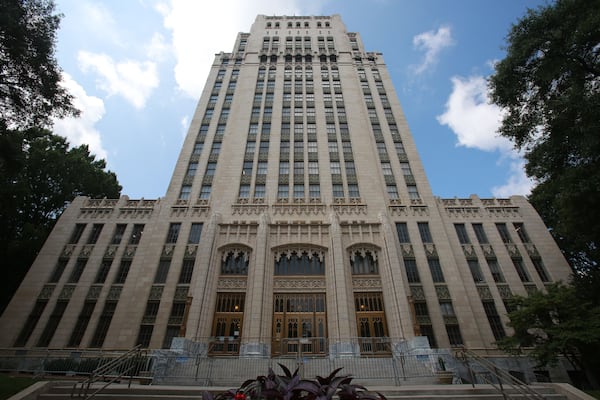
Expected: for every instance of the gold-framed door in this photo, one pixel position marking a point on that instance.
(299, 324)
(227, 324)
(371, 323)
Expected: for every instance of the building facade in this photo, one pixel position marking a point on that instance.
(298, 220)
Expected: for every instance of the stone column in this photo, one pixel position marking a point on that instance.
(342, 328)
(200, 316)
(256, 310)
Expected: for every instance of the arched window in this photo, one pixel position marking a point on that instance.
(234, 262)
(299, 262)
(363, 261)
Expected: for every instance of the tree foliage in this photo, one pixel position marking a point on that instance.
(554, 323)
(32, 197)
(549, 85)
(30, 90)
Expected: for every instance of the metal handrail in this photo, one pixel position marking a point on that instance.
(125, 365)
(503, 377)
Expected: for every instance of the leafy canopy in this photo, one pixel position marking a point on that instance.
(30, 90)
(558, 322)
(549, 85)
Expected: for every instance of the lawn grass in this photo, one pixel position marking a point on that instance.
(10, 385)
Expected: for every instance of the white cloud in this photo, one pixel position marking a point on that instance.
(199, 31)
(432, 43)
(97, 18)
(81, 130)
(157, 49)
(471, 116)
(475, 122)
(518, 182)
(133, 80)
(185, 124)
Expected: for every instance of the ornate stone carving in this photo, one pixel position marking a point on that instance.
(249, 209)
(298, 209)
(531, 289)
(442, 292)
(168, 250)
(366, 283)
(130, 251)
(513, 250)
(349, 209)
(484, 292)
(190, 251)
(417, 292)
(423, 320)
(181, 292)
(155, 292)
(68, 250)
(290, 283)
(46, 292)
(488, 251)
(469, 251)
(419, 211)
(86, 250)
(504, 291)
(532, 250)
(66, 292)
(232, 283)
(450, 320)
(114, 292)
(111, 250)
(93, 292)
(407, 250)
(430, 250)
(362, 251)
(287, 252)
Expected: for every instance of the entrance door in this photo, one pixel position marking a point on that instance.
(299, 324)
(371, 324)
(227, 324)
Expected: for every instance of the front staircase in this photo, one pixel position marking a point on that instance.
(62, 391)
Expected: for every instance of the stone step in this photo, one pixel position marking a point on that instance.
(424, 392)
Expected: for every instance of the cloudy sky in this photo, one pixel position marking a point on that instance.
(137, 68)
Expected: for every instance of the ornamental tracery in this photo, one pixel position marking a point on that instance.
(235, 260)
(364, 259)
(299, 261)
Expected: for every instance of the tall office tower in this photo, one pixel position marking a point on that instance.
(298, 219)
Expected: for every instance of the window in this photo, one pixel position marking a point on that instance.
(215, 150)
(399, 148)
(475, 271)
(205, 192)
(454, 335)
(405, 168)
(259, 191)
(264, 147)
(145, 335)
(123, 271)
(284, 168)
(335, 167)
(210, 168)
(151, 311)
(495, 270)
(521, 271)
(103, 323)
(313, 168)
(30, 323)
(312, 147)
(436, 270)
(503, 231)
(363, 262)
(136, 234)
(330, 129)
(59, 268)
(298, 191)
(261, 168)
(412, 272)
(173, 232)
(541, 270)
(118, 234)
(253, 129)
(304, 263)
(480, 234)
(299, 147)
(392, 192)
(162, 271)
(235, 263)
(185, 192)
(76, 235)
(82, 323)
(283, 192)
(284, 147)
(95, 233)
(247, 168)
(461, 232)
(77, 270)
(195, 232)
(413, 193)
(494, 319)
(520, 228)
(338, 191)
(381, 149)
(386, 168)
(402, 230)
(244, 191)
(103, 271)
(314, 191)
(350, 169)
(52, 323)
(299, 168)
(425, 232)
(353, 191)
(187, 268)
(250, 147)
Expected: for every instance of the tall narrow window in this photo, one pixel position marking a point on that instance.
(118, 234)
(540, 269)
(436, 270)
(475, 271)
(480, 234)
(162, 271)
(95, 233)
(122, 272)
(52, 323)
(520, 228)
(195, 233)
(521, 271)
(494, 319)
(425, 232)
(30, 323)
(461, 232)
(136, 234)
(82, 323)
(103, 271)
(59, 268)
(412, 273)
(503, 231)
(402, 230)
(77, 270)
(103, 323)
(187, 268)
(173, 232)
(495, 270)
(76, 235)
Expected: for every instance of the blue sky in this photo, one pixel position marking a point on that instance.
(137, 68)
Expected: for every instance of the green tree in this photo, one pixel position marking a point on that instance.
(34, 196)
(556, 323)
(30, 90)
(549, 85)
